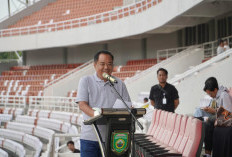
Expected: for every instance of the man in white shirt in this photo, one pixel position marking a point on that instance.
(220, 48)
(226, 45)
(222, 97)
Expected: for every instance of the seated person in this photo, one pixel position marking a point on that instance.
(71, 147)
(222, 97)
(146, 103)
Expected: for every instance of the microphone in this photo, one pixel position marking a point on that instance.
(110, 78)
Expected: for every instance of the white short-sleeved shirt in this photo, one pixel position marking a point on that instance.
(100, 94)
(220, 50)
(224, 99)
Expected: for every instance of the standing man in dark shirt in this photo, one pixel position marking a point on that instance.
(164, 96)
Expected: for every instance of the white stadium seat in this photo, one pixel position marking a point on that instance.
(5, 117)
(30, 129)
(12, 146)
(63, 116)
(3, 153)
(29, 140)
(48, 123)
(13, 111)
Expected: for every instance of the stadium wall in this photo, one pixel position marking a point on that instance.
(123, 50)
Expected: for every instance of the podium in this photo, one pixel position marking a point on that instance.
(119, 130)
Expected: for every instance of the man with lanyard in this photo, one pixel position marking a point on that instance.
(164, 96)
(94, 92)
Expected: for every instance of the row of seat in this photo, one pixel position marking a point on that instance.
(171, 134)
(26, 139)
(69, 117)
(30, 77)
(46, 67)
(135, 67)
(68, 14)
(21, 88)
(30, 129)
(14, 147)
(144, 61)
(3, 153)
(72, 93)
(30, 80)
(35, 72)
(59, 11)
(22, 82)
(11, 111)
(53, 124)
(124, 74)
(22, 93)
(5, 117)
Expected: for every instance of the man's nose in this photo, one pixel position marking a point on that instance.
(106, 66)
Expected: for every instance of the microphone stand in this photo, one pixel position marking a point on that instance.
(133, 119)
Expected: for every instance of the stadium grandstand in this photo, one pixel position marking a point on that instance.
(47, 46)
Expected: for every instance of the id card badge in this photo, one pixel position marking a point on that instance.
(164, 100)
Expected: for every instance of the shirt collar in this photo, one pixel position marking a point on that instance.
(99, 80)
(164, 85)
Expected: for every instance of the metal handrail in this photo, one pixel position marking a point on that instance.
(200, 67)
(83, 21)
(69, 73)
(209, 49)
(147, 71)
(13, 100)
(56, 103)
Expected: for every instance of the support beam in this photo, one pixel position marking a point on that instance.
(65, 55)
(144, 48)
(9, 8)
(19, 57)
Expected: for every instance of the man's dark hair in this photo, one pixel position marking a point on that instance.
(145, 99)
(96, 56)
(210, 84)
(162, 69)
(220, 41)
(70, 142)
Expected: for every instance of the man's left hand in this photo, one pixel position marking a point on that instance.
(209, 110)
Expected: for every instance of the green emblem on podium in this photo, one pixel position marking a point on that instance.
(119, 142)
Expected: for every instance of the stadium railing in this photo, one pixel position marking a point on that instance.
(200, 67)
(112, 15)
(210, 49)
(69, 73)
(168, 60)
(53, 103)
(12, 101)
